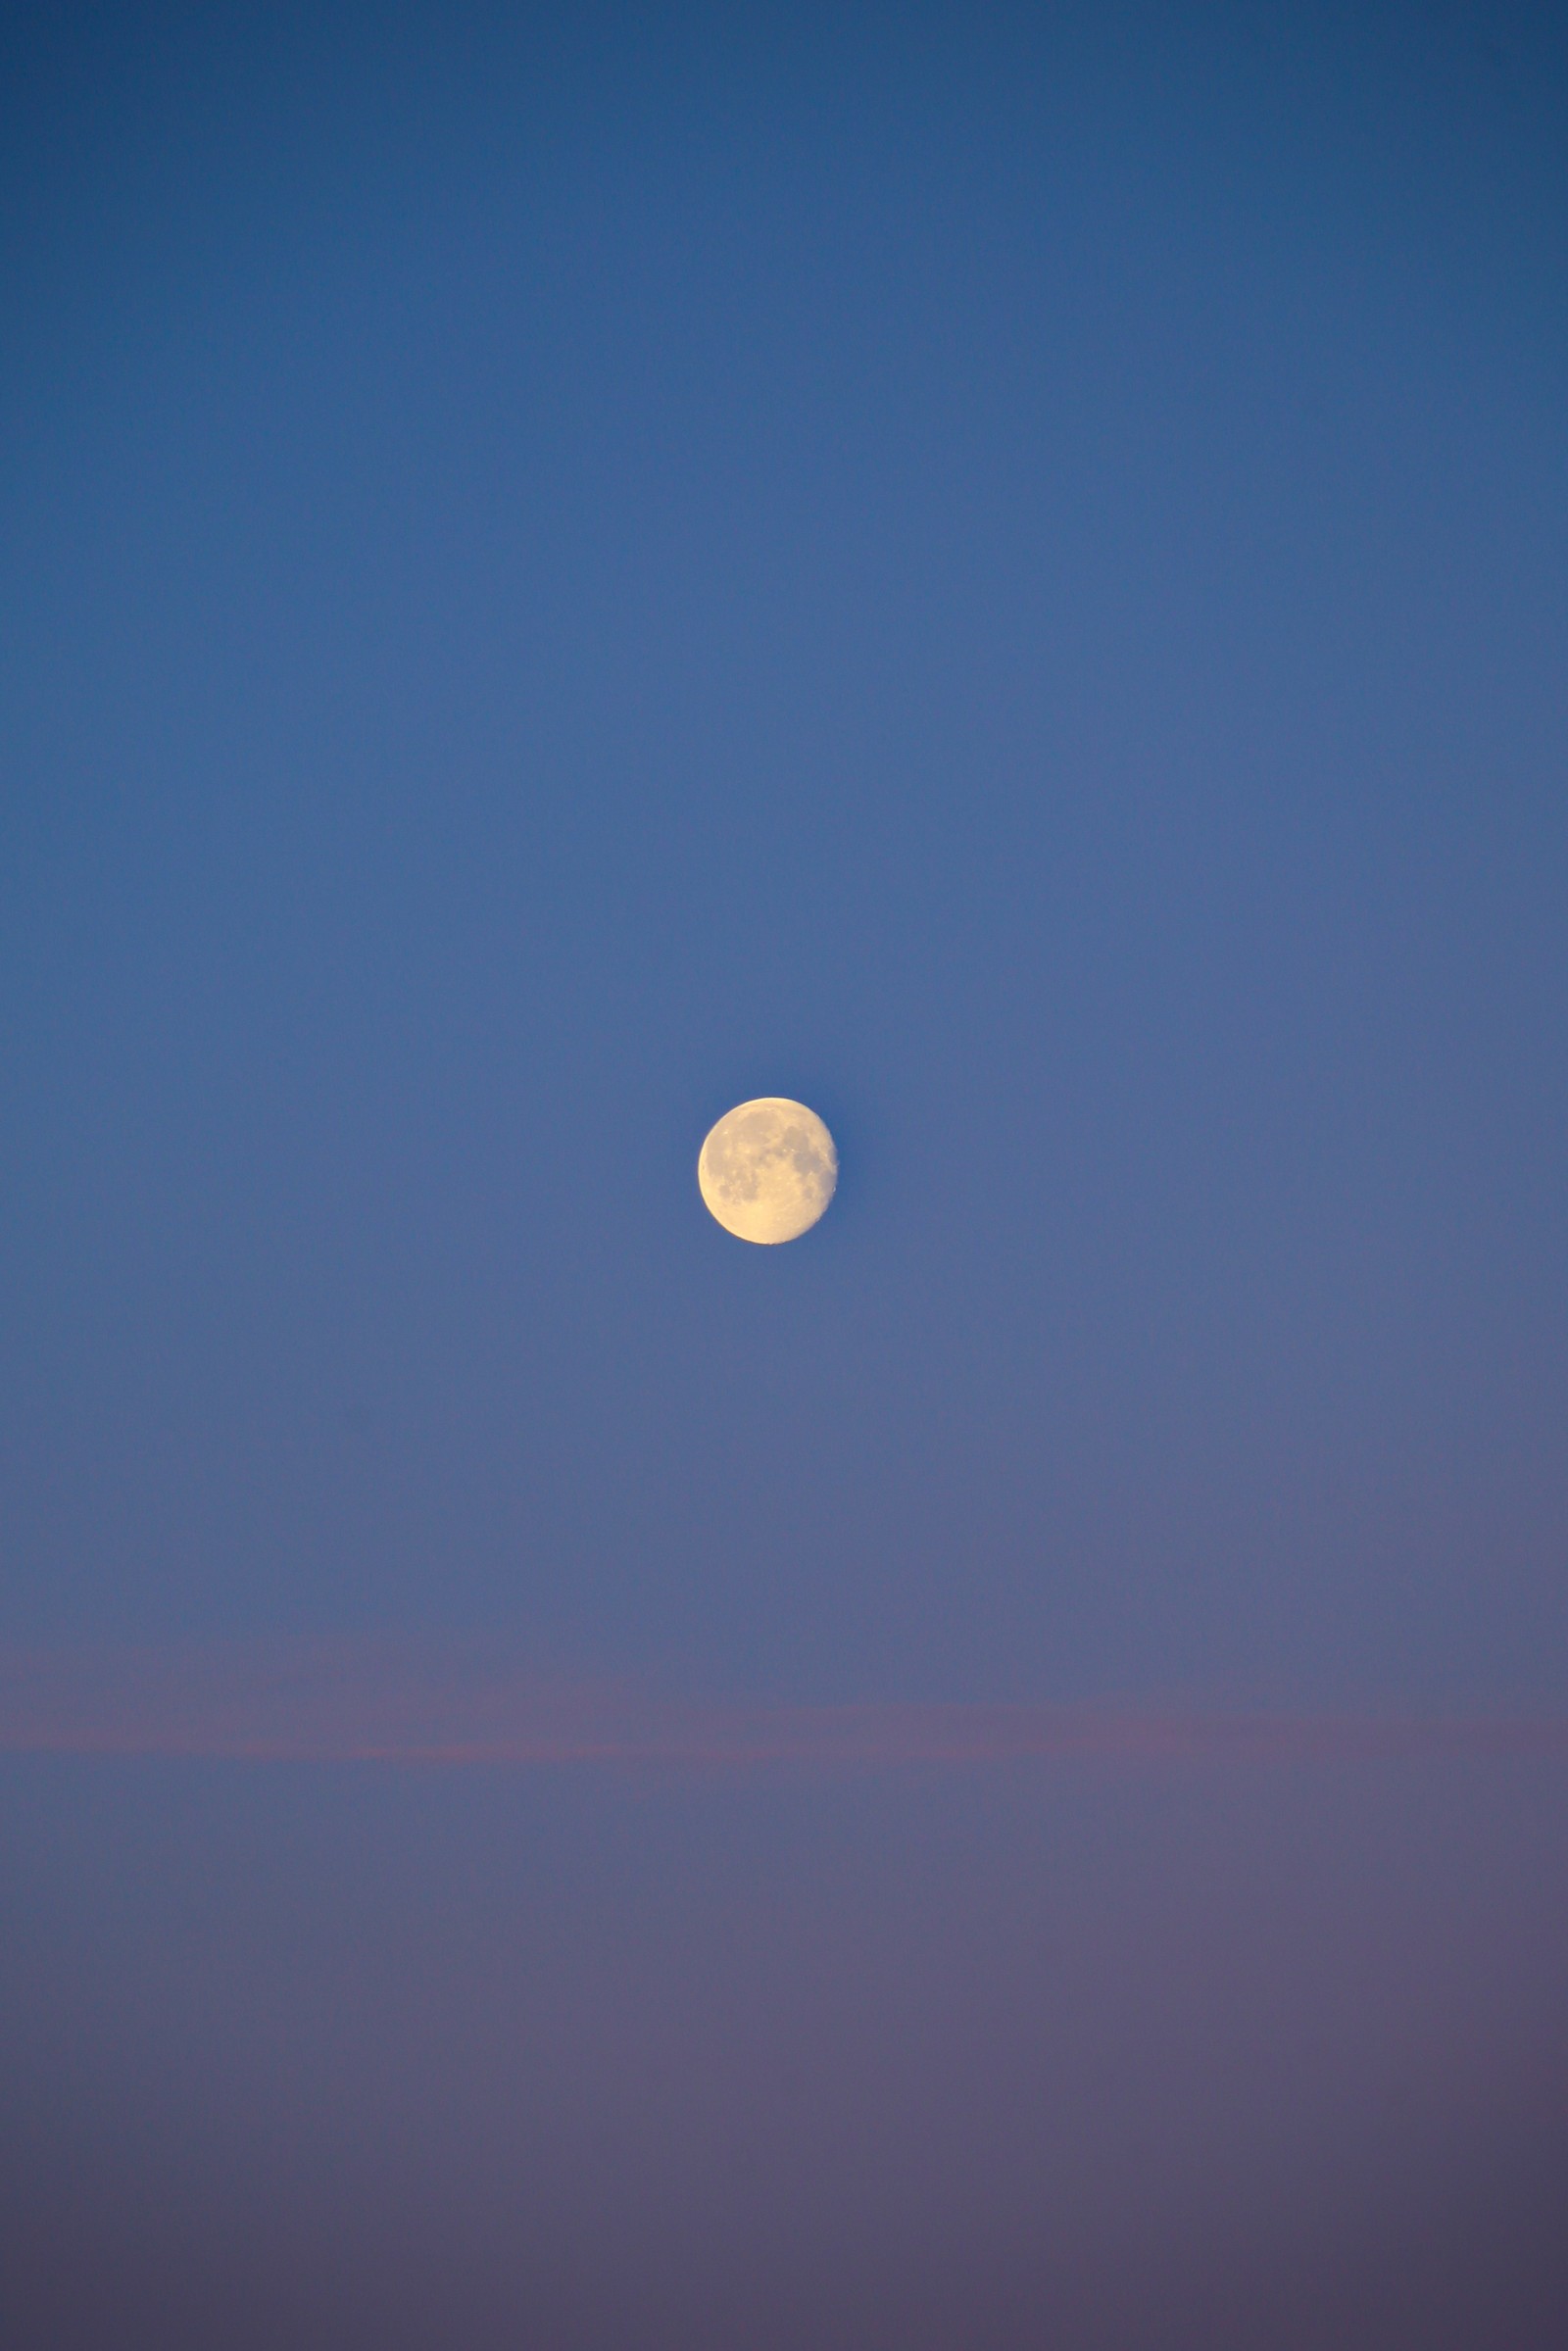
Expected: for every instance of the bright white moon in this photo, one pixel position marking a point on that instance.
(768, 1169)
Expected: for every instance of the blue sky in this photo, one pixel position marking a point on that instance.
(1002, 576)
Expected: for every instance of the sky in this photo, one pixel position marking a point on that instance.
(995, 1774)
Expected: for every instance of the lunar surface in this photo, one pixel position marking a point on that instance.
(768, 1169)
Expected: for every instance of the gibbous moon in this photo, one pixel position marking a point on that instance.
(767, 1170)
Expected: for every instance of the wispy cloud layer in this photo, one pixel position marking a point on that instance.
(381, 1702)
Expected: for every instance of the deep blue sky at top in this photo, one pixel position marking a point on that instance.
(1010, 580)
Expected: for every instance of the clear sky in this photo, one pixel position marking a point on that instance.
(1000, 572)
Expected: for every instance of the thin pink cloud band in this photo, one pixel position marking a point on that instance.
(383, 1702)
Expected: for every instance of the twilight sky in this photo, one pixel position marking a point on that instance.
(1003, 573)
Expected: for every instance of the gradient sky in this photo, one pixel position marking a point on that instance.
(1004, 573)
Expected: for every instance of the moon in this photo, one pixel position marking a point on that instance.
(768, 1169)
